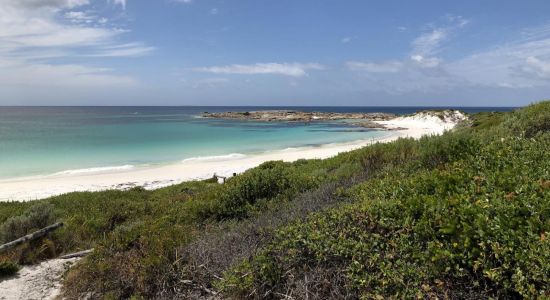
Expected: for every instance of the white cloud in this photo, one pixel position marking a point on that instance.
(122, 3)
(383, 67)
(36, 4)
(523, 62)
(516, 64)
(288, 69)
(80, 17)
(457, 21)
(426, 46)
(346, 40)
(47, 75)
(538, 67)
(429, 43)
(33, 32)
(426, 62)
(123, 50)
(24, 27)
(399, 77)
(214, 11)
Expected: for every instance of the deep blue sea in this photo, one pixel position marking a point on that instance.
(48, 140)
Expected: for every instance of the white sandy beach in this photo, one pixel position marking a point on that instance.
(25, 189)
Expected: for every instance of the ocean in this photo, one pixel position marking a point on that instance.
(42, 141)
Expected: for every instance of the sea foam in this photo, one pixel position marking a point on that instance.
(232, 156)
(94, 170)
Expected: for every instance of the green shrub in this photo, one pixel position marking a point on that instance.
(486, 120)
(36, 217)
(530, 121)
(446, 148)
(271, 179)
(470, 220)
(8, 268)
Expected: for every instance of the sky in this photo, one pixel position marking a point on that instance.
(284, 52)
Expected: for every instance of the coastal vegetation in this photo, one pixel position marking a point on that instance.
(462, 215)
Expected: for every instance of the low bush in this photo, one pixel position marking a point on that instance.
(469, 221)
(36, 217)
(270, 179)
(8, 268)
(446, 148)
(529, 121)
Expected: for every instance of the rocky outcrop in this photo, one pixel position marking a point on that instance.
(297, 116)
(366, 120)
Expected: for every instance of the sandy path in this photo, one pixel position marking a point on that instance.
(41, 281)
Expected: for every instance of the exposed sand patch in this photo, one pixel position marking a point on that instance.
(42, 281)
(425, 123)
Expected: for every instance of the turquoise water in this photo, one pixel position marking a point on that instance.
(49, 140)
(43, 141)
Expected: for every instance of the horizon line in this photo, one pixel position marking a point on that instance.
(442, 106)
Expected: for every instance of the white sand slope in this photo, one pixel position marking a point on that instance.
(196, 169)
(41, 281)
(425, 123)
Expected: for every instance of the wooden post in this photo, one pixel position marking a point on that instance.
(29, 237)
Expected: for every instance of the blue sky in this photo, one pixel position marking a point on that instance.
(285, 52)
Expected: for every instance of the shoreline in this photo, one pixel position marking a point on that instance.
(153, 177)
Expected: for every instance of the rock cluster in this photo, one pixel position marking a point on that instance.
(298, 116)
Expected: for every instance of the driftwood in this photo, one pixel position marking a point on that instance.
(207, 290)
(29, 237)
(77, 254)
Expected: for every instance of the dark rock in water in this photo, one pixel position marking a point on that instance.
(395, 128)
(369, 124)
